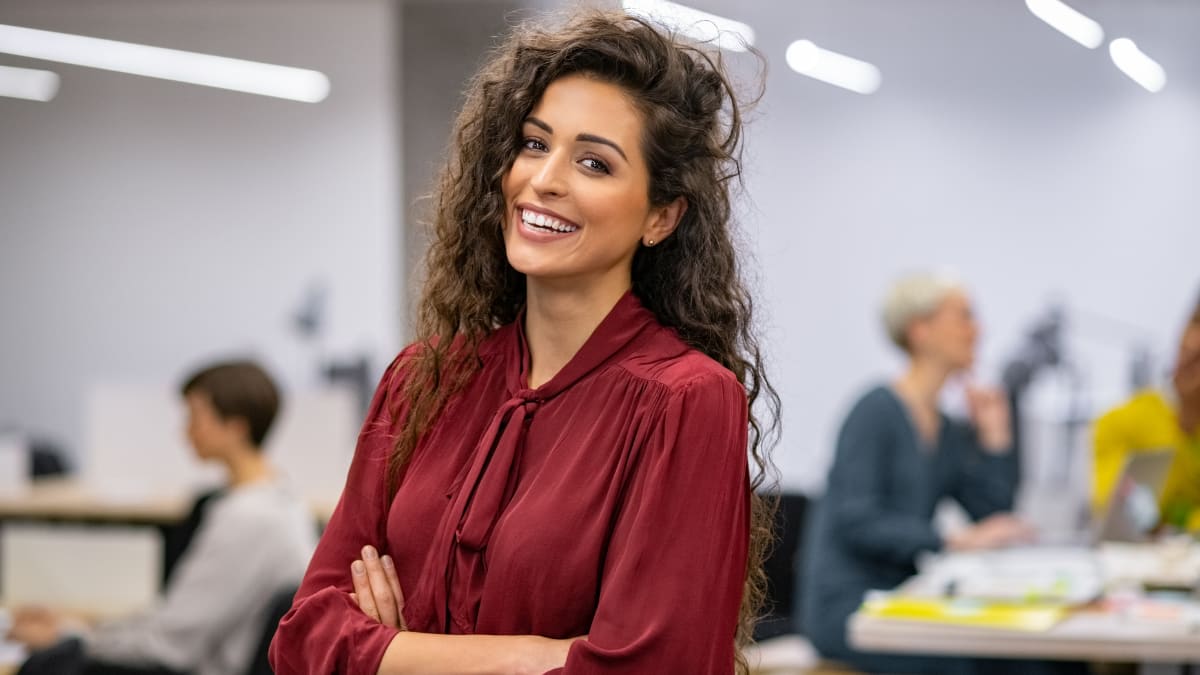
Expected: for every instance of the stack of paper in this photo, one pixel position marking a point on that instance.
(1016, 589)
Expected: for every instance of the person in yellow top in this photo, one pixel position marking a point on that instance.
(1155, 420)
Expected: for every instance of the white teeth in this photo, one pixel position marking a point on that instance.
(546, 222)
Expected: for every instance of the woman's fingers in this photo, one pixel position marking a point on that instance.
(389, 571)
(384, 596)
(377, 589)
(362, 589)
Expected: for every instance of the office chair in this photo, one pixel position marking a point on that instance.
(781, 567)
(280, 603)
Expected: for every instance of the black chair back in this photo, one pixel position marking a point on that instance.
(281, 602)
(176, 537)
(782, 567)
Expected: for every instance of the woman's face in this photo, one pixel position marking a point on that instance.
(577, 195)
(1189, 342)
(948, 335)
(207, 432)
(1187, 361)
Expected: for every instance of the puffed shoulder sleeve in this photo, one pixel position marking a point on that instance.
(674, 573)
(325, 632)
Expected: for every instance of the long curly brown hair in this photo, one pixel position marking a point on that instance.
(690, 281)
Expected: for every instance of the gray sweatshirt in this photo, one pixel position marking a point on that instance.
(253, 540)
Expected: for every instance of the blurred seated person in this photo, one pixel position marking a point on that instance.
(1158, 419)
(898, 454)
(255, 538)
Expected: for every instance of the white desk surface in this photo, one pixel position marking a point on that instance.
(1084, 635)
(1087, 633)
(68, 499)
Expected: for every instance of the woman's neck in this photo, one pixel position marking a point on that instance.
(1189, 417)
(922, 384)
(918, 388)
(246, 465)
(558, 321)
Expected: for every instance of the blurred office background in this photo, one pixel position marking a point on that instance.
(147, 225)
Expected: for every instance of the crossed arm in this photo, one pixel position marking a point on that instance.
(378, 594)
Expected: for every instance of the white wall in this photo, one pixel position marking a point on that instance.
(995, 146)
(443, 44)
(146, 226)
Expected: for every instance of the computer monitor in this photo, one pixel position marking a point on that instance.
(1132, 510)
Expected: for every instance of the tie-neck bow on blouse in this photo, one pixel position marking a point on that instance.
(612, 501)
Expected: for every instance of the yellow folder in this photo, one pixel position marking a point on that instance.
(1021, 616)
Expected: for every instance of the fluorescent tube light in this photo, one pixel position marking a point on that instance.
(840, 70)
(1134, 63)
(207, 70)
(700, 26)
(1068, 21)
(27, 83)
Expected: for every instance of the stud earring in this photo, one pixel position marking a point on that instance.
(650, 242)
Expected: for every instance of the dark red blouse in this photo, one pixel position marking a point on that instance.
(612, 501)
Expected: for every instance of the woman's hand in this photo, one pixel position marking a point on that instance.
(377, 588)
(35, 627)
(544, 654)
(997, 531)
(991, 417)
(378, 594)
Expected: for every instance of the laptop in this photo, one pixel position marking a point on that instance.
(1132, 511)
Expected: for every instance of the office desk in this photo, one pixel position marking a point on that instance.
(70, 500)
(1084, 635)
(1088, 633)
(53, 514)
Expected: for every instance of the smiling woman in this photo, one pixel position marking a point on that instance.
(578, 201)
(560, 474)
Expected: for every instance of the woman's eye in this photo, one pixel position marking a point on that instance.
(533, 144)
(595, 165)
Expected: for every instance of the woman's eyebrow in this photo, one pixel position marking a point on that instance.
(587, 138)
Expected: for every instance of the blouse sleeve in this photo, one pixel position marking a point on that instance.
(987, 481)
(325, 631)
(672, 580)
(856, 492)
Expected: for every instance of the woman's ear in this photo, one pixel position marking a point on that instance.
(239, 426)
(663, 221)
(916, 334)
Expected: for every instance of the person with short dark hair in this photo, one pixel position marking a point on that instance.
(238, 390)
(255, 538)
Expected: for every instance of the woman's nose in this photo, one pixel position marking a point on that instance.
(550, 177)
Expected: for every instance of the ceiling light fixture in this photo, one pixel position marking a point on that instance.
(27, 83)
(1134, 63)
(840, 70)
(700, 26)
(252, 77)
(1068, 21)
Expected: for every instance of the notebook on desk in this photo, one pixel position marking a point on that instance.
(1132, 510)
